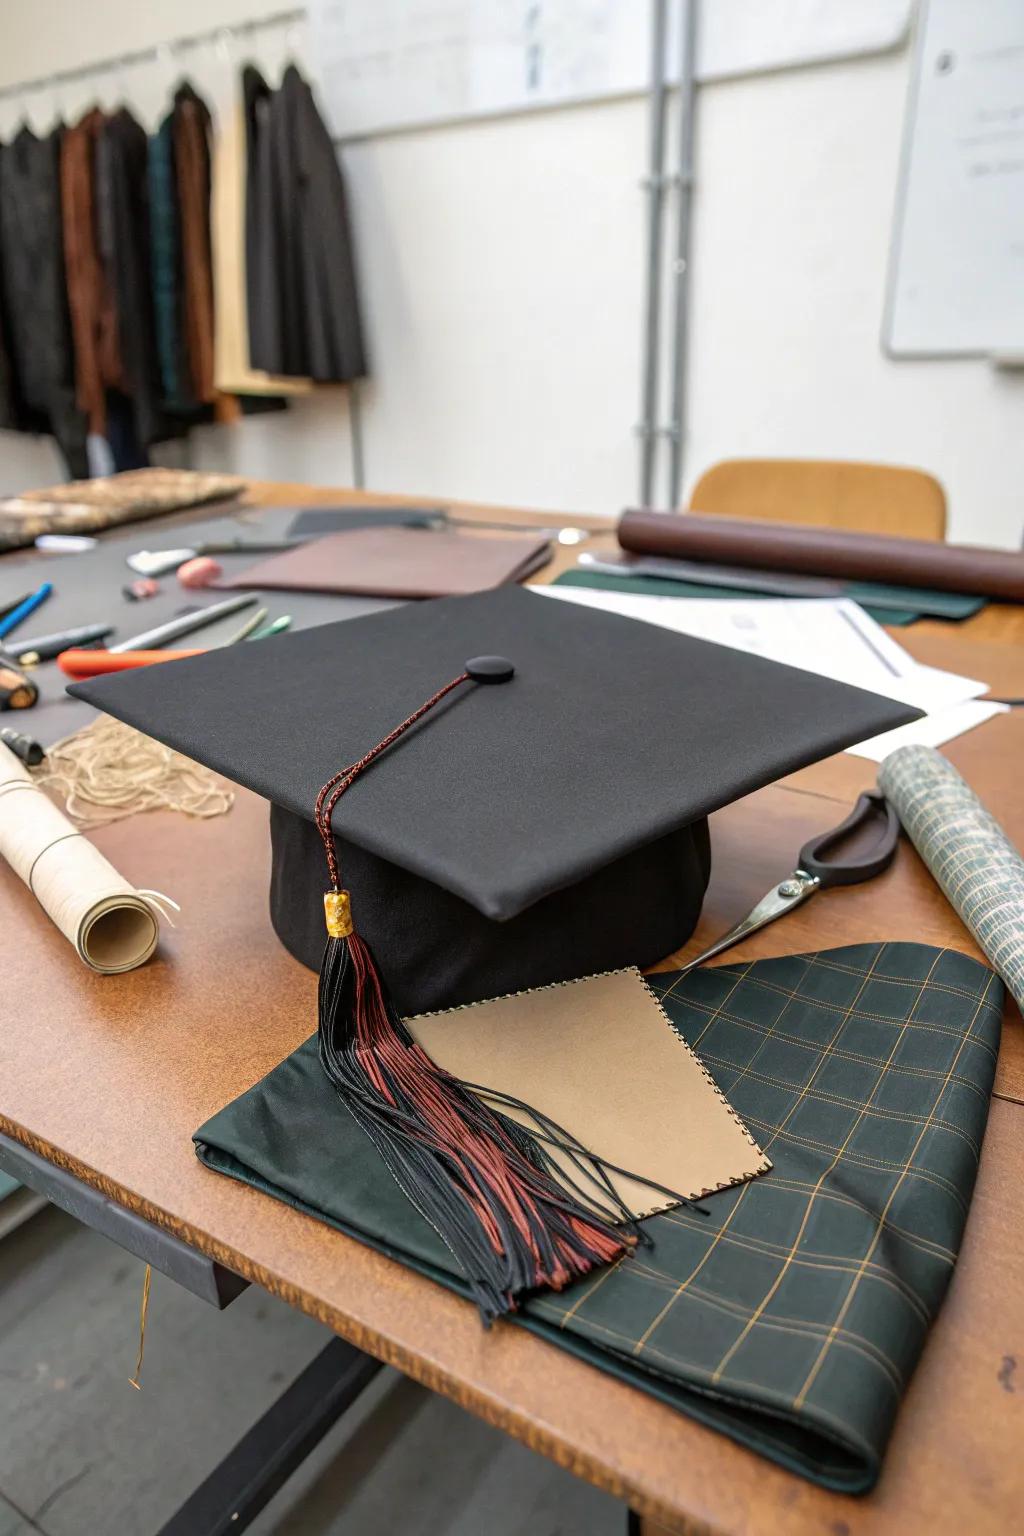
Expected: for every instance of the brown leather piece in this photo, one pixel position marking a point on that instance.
(397, 562)
(834, 552)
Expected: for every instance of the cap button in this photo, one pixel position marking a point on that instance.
(490, 669)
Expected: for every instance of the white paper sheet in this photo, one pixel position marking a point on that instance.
(932, 731)
(833, 637)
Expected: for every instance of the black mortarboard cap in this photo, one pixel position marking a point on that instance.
(547, 828)
(499, 824)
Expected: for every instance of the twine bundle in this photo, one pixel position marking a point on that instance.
(112, 926)
(107, 771)
(979, 870)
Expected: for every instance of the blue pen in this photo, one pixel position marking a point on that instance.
(14, 618)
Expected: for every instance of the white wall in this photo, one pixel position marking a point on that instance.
(502, 266)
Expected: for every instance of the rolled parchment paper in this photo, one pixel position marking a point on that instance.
(110, 924)
(979, 870)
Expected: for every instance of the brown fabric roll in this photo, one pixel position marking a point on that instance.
(966, 568)
(90, 298)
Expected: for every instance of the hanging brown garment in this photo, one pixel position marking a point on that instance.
(90, 297)
(191, 132)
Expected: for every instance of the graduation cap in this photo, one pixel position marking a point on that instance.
(515, 791)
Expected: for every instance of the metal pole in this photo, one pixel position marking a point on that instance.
(655, 188)
(681, 263)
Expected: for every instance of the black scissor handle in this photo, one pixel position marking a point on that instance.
(872, 809)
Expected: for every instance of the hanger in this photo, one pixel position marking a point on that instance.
(56, 101)
(292, 49)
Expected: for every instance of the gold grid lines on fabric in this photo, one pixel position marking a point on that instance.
(773, 1288)
(877, 1111)
(909, 1169)
(809, 1258)
(840, 1053)
(827, 1007)
(642, 1341)
(870, 1164)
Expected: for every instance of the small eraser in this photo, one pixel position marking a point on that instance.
(199, 572)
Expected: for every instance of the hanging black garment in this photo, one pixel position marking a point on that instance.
(123, 225)
(303, 303)
(40, 393)
(167, 278)
(263, 237)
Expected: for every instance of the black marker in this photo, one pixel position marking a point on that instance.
(45, 647)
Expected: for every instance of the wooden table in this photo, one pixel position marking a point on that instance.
(109, 1076)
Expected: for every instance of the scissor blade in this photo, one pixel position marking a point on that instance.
(782, 898)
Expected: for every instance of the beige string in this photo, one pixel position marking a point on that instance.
(133, 1381)
(107, 771)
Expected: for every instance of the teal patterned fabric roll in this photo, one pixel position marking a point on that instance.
(967, 851)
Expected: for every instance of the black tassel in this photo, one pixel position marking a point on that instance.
(483, 1181)
(511, 1217)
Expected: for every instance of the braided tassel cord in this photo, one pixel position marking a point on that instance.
(485, 1183)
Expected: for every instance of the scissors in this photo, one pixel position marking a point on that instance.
(872, 822)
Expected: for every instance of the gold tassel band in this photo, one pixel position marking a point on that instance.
(338, 914)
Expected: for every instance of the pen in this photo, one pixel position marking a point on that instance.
(45, 647)
(7, 608)
(150, 638)
(97, 663)
(29, 605)
(276, 627)
(253, 622)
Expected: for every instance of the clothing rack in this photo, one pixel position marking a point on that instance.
(154, 52)
(168, 48)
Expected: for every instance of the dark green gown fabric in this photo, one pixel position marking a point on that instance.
(792, 1315)
(914, 602)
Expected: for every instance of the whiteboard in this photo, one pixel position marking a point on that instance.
(394, 64)
(956, 274)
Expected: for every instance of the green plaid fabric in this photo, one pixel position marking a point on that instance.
(792, 1315)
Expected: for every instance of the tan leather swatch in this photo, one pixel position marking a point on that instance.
(600, 1057)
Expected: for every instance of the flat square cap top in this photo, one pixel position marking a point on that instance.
(611, 734)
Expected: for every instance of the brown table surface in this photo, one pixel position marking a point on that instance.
(109, 1076)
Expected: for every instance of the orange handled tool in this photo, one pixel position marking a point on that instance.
(90, 663)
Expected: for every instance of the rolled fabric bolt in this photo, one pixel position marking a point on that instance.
(111, 925)
(200, 572)
(978, 869)
(85, 663)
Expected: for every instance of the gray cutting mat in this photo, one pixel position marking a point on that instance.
(88, 590)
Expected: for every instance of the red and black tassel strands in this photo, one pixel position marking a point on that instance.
(483, 1182)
